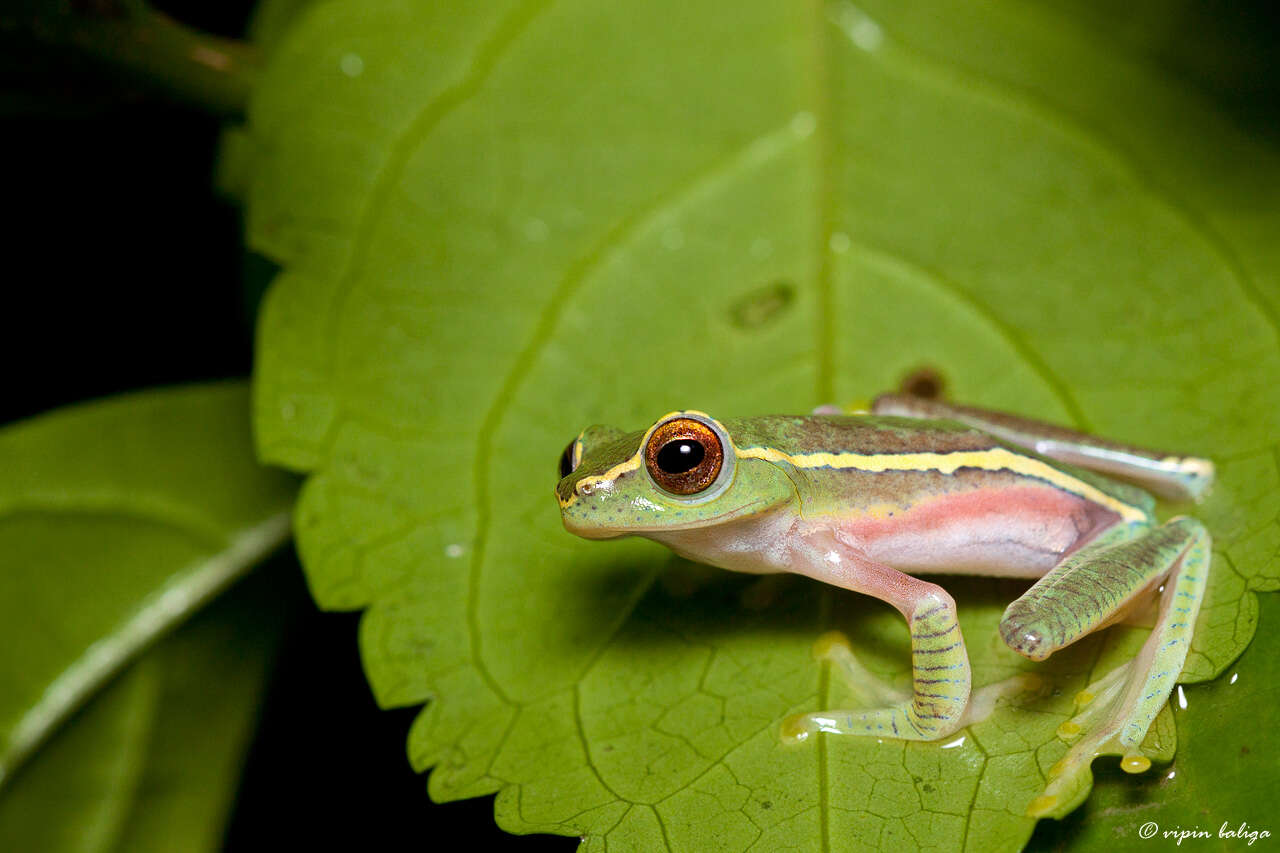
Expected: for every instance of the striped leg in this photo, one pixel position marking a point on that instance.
(1087, 591)
(871, 691)
(940, 677)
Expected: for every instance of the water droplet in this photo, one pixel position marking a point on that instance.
(839, 242)
(351, 64)
(957, 742)
(761, 247)
(1182, 698)
(1234, 676)
(454, 550)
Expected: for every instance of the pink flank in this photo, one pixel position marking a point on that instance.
(1006, 532)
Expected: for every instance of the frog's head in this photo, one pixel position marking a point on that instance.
(681, 473)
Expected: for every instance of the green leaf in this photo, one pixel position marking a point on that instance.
(118, 520)
(521, 218)
(152, 761)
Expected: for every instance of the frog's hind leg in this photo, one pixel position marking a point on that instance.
(1091, 589)
(1166, 474)
(875, 694)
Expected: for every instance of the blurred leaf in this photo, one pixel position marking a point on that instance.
(152, 761)
(270, 22)
(118, 519)
(561, 214)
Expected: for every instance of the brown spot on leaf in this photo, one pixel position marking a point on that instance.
(762, 306)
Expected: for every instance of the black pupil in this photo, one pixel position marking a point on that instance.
(683, 454)
(566, 461)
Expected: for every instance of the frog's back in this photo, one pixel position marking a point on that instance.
(858, 434)
(907, 485)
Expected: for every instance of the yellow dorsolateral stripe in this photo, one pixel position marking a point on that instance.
(995, 459)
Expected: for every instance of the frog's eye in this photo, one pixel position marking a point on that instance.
(684, 456)
(567, 460)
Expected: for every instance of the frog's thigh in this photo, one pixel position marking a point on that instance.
(1090, 588)
(1115, 720)
(1093, 587)
(1168, 475)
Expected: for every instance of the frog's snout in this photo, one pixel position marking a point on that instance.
(581, 515)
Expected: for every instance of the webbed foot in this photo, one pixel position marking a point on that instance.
(1104, 724)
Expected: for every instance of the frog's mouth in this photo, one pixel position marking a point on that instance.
(604, 531)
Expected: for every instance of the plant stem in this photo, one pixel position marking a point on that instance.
(214, 73)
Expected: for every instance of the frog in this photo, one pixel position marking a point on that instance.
(867, 498)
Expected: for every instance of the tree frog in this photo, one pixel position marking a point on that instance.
(865, 500)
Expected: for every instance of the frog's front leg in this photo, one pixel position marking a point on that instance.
(941, 679)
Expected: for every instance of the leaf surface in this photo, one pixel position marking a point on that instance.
(118, 519)
(508, 221)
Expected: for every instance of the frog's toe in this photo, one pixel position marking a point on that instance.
(1101, 726)
(833, 645)
(1068, 780)
(1042, 806)
(1069, 730)
(867, 688)
(796, 729)
(1094, 702)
